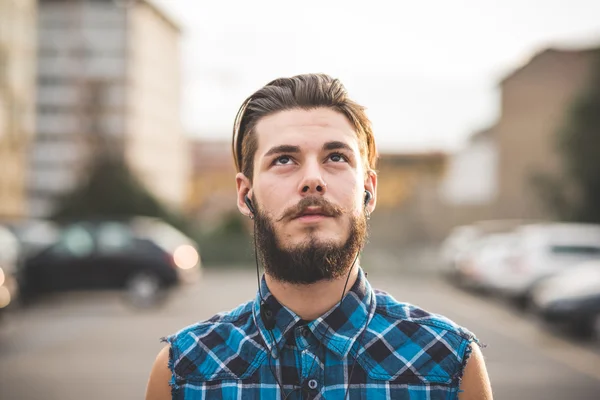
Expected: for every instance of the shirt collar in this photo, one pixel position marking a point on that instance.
(337, 329)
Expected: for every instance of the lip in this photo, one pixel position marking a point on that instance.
(307, 218)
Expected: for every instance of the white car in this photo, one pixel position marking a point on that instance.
(542, 250)
(456, 244)
(463, 239)
(571, 297)
(483, 265)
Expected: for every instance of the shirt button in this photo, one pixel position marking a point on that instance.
(305, 332)
(312, 384)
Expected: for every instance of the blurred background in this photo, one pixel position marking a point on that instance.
(118, 221)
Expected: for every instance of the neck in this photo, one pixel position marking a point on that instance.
(309, 302)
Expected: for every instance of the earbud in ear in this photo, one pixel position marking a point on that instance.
(368, 197)
(249, 204)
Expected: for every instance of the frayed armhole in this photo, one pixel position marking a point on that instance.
(467, 354)
(175, 388)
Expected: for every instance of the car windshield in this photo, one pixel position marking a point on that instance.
(163, 234)
(75, 241)
(575, 250)
(113, 237)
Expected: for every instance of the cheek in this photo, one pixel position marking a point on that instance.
(271, 197)
(352, 197)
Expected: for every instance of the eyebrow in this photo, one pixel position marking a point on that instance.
(288, 148)
(336, 146)
(284, 148)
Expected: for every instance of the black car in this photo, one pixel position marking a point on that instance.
(143, 256)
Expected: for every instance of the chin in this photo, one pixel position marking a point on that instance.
(314, 237)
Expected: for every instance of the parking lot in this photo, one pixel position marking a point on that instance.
(93, 346)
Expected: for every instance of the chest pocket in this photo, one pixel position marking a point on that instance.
(219, 354)
(419, 359)
(235, 367)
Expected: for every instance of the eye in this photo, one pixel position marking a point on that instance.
(282, 160)
(338, 157)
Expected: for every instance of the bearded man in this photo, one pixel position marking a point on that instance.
(305, 154)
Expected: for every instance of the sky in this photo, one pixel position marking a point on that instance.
(427, 71)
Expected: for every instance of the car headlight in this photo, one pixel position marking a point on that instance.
(186, 257)
(5, 297)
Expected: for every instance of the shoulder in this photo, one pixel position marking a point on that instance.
(394, 311)
(475, 383)
(159, 382)
(224, 346)
(406, 343)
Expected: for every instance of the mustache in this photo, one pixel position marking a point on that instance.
(326, 208)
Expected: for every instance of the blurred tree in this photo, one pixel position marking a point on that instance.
(233, 223)
(230, 244)
(576, 196)
(111, 190)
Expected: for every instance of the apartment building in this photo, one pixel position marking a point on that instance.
(108, 80)
(17, 102)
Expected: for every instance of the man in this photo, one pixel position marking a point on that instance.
(305, 155)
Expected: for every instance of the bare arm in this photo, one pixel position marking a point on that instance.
(158, 383)
(475, 384)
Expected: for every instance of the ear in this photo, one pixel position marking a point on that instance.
(243, 189)
(371, 186)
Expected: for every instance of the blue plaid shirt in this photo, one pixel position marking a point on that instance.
(368, 347)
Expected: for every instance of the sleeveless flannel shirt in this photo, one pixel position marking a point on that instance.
(370, 346)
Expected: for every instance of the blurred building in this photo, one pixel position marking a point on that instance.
(494, 175)
(17, 101)
(472, 176)
(400, 173)
(108, 80)
(212, 190)
(535, 102)
(403, 178)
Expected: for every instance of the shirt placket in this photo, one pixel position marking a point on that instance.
(311, 376)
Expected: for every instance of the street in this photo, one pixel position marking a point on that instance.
(93, 346)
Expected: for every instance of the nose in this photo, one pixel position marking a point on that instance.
(312, 182)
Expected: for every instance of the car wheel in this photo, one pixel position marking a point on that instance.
(596, 326)
(144, 290)
(583, 328)
(522, 302)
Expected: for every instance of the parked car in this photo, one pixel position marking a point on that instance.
(462, 240)
(34, 235)
(571, 298)
(453, 248)
(542, 250)
(482, 265)
(143, 256)
(9, 256)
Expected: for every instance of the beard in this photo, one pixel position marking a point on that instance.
(312, 260)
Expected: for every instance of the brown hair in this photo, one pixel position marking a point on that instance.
(307, 92)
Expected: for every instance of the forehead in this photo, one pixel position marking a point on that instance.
(304, 128)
